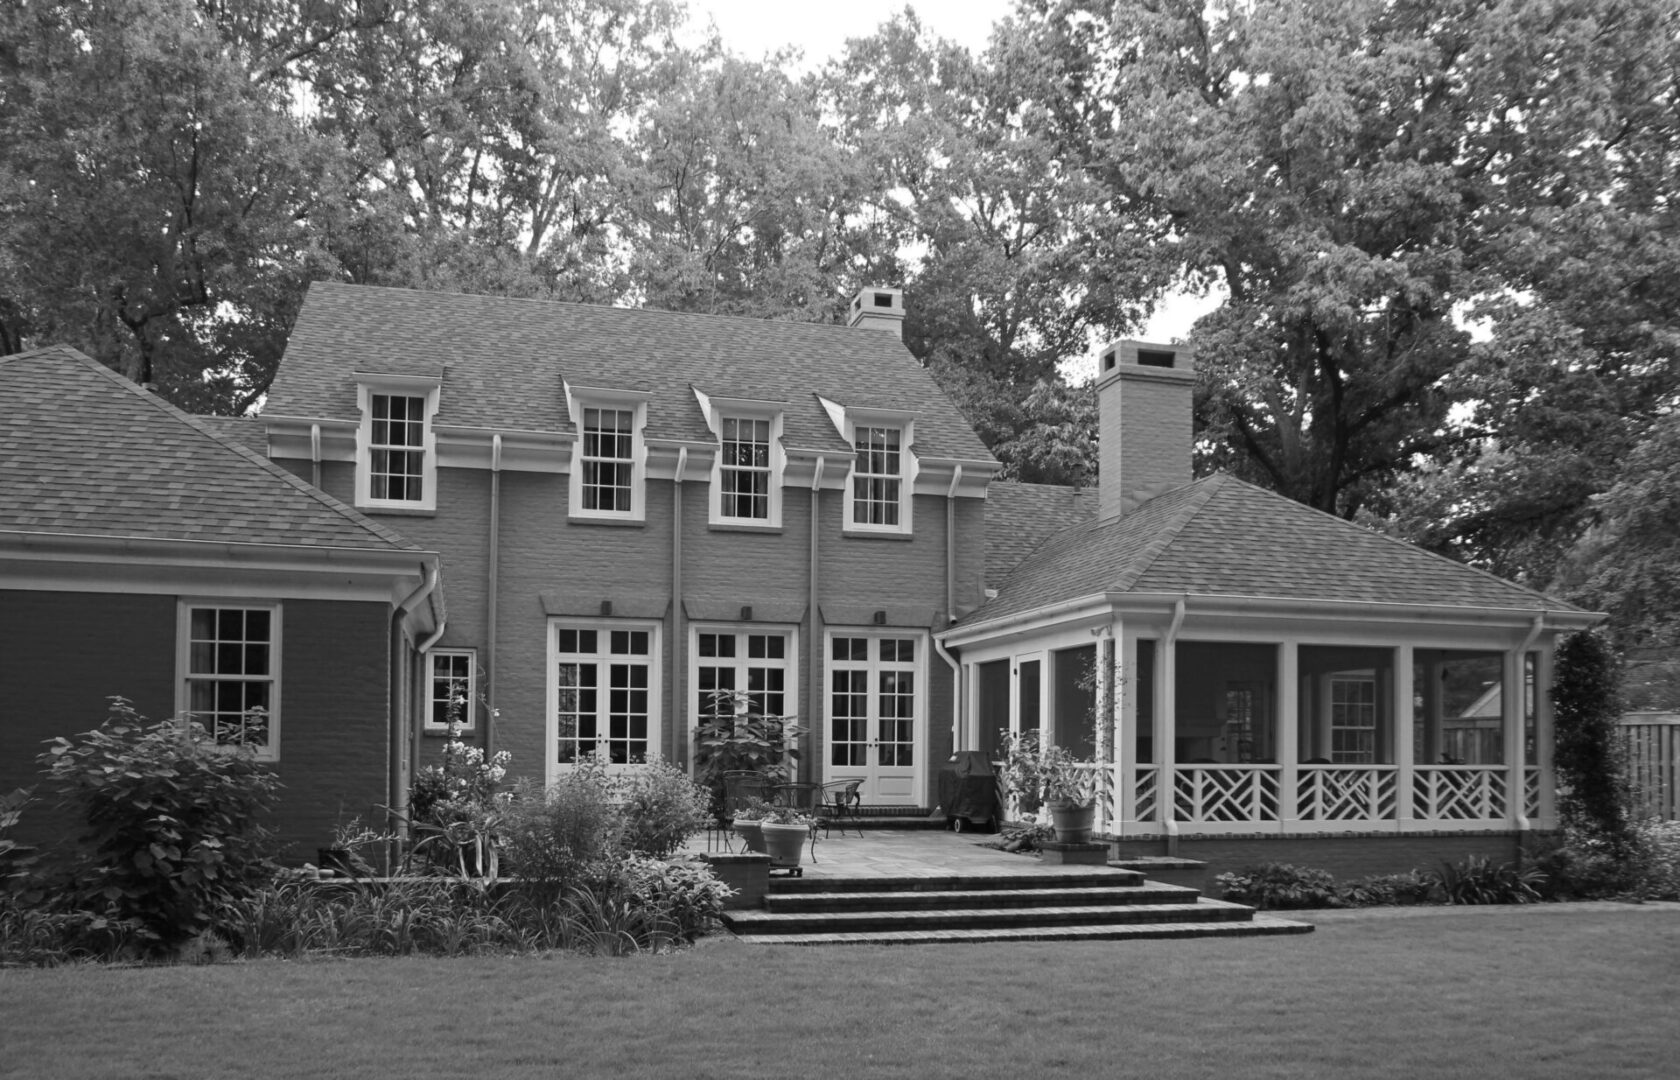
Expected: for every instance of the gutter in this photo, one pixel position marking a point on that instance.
(679, 706)
(813, 660)
(397, 791)
(951, 608)
(493, 569)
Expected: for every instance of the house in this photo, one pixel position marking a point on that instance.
(1271, 683)
(635, 509)
(147, 554)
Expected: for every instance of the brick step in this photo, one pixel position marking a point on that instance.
(1260, 925)
(957, 882)
(772, 922)
(905, 899)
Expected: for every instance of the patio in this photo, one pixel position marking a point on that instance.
(913, 853)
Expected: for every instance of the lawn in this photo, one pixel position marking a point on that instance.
(1547, 992)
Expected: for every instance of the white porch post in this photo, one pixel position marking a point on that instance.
(971, 706)
(1544, 734)
(1511, 708)
(1405, 720)
(1125, 734)
(1289, 734)
(1166, 709)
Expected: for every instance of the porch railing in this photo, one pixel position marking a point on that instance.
(1347, 793)
(1146, 793)
(1225, 793)
(1531, 791)
(1461, 792)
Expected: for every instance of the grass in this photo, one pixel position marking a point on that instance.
(1554, 991)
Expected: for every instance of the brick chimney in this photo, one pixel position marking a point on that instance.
(878, 309)
(1143, 422)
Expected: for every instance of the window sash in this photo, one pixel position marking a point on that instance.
(229, 673)
(1353, 721)
(396, 448)
(744, 469)
(608, 460)
(756, 661)
(877, 476)
(454, 677)
(873, 678)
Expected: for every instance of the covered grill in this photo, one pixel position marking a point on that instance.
(968, 790)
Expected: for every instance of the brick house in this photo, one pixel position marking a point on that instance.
(147, 554)
(635, 508)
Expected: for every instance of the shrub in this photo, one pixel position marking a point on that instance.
(1593, 795)
(662, 808)
(1279, 887)
(565, 836)
(1477, 880)
(1662, 841)
(1378, 890)
(173, 837)
(684, 893)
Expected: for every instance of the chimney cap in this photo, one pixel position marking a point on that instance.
(1132, 353)
(877, 308)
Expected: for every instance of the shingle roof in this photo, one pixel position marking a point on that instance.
(84, 451)
(1020, 517)
(503, 361)
(1223, 537)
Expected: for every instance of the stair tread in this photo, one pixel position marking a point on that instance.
(1259, 926)
(861, 897)
(757, 919)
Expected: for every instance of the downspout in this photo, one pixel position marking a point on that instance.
(814, 687)
(397, 792)
(492, 588)
(951, 608)
(679, 703)
(1168, 696)
(315, 455)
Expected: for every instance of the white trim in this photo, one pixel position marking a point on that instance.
(847, 420)
(578, 400)
(873, 666)
(469, 715)
(184, 608)
(717, 410)
(367, 387)
(552, 767)
(788, 664)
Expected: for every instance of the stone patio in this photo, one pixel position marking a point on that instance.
(914, 853)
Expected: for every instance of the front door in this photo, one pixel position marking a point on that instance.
(877, 707)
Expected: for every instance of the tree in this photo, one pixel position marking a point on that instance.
(1592, 783)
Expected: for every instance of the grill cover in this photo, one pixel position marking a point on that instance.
(968, 788)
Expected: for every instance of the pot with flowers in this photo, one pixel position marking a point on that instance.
(749, 821)
(1072, 786)
(785, 831)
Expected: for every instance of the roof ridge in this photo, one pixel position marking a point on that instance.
(350, 514)
(1408, 546)
(1201, 493)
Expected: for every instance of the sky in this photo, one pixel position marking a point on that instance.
(753, 28)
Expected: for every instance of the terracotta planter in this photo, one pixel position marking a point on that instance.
(751, 834)
(783, 843)
(1073, 821)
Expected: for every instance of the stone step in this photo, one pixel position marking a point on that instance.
(957, 882)
(1260, 925)
(905, 899)
(748, 922)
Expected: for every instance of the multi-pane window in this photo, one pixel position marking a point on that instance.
(877, 476)
(1353, 720)
(744, 469)
(608, 460)
(603, 694)
(731, 663)
(397, 448)
(453, 691)
(230, 673)
(872, 682)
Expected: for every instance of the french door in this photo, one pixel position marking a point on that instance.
(877, 713)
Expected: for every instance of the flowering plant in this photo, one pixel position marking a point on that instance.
(459, 786)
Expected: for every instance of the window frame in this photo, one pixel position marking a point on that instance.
(788, 664)
(1368, 732)
(406, 386)
(185, 676)
(848, 421)
(579, 400)
(773, 470)
(469, 715)
(602, 659)
(873, 666)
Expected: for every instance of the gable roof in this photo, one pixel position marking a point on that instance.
(1020, 517)
(503, 362)
(1221, 536)
(84, 451)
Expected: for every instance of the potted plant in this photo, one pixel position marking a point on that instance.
(731, 738)
(749, 821)
(1072, 786)
(785, 831)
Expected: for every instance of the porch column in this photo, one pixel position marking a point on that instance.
(1289, 734)
(1125, 735)
(1405, 722)
(1165, 727)
(1544, 734)
(1511, 709)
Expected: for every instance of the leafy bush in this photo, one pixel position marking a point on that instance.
(1662, 841)
(1593, 793)
(684, 893)
(1378, 890)
(15, 859)
(1478, 880)
(1280, 887)
(662, 808)
(732, 738)
(1583, 865)
(565, 836)
(173, 836)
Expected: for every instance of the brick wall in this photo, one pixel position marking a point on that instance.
(1343, 856)
(1146, 443)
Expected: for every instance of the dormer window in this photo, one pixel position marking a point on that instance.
(744, 471)
(878, 477)
(396, 449)
(609, 456)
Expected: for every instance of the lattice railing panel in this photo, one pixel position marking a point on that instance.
(1531, 791)
(1461, 792)
(1146, 795)
(1347, 793)
(1225, 793)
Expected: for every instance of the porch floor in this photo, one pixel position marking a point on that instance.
(916, 853)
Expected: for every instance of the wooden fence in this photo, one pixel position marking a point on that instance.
(1653, 754)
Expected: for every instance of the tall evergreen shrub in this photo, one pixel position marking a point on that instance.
(1592, 780)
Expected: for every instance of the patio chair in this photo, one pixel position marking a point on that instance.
(840, 800)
